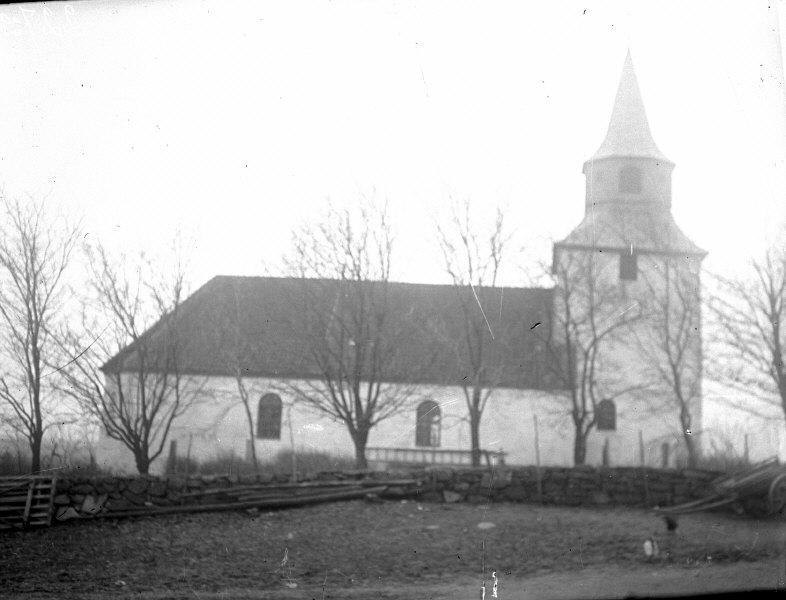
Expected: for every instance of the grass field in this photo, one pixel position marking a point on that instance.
(348, 544)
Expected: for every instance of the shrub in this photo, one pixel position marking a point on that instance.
(310, 462)
(226, 463)
(723, 457)
(184, 465)
(84, 469)
(14, 463)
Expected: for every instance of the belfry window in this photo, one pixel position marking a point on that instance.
(606, 415)
(427, 428)
(630, 180)
(628, 266)
(269, 417)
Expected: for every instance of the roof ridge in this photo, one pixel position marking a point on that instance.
(261, 278)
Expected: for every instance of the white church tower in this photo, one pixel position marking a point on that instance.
(627, 303)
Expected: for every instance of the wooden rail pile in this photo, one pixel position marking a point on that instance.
(758, 491)
(263, 496)
(26, 501)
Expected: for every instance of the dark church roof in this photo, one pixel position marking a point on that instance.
(429, 317)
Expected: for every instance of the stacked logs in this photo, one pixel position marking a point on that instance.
(104, 498)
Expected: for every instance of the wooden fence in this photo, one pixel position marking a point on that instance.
(26, 501)
(432, 456)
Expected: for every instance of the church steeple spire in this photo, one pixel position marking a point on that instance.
(628, 185)
(629, 131)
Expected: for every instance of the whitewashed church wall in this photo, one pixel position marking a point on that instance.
(734, 420)
(650, 409)
(217, 426)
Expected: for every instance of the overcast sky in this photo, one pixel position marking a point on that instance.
(234, 120)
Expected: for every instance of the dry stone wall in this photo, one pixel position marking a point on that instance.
(579, 486)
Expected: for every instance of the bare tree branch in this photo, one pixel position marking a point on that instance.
(590, 314)
(355, 338)
(142, 392)
(473, 257)
(670, 346)
(747, 315)
(35, 251)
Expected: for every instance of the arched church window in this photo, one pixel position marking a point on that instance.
(269, 417)
(606, 415)
(630, 180)
(427, 428)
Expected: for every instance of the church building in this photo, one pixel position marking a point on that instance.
(613, 349)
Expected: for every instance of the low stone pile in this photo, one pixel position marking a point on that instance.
(623, 486)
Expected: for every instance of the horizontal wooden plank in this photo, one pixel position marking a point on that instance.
(11, 485)
(14, 490)
(23, 483)
(15, 505)
(11, 508)
(10, 499)
(289, 501)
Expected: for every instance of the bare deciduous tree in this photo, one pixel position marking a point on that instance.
(348, 323)
(748, 315)
(236, 344)
(670, 345)
(473, 258)
(141, 391)
(590, 313)
(35, 250)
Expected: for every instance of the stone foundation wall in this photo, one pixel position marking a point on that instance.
(580, 486)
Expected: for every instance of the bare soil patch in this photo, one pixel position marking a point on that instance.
(357, 545)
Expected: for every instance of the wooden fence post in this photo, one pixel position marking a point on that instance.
(292, 444)
(664, 455)
(188, 453)
(172, 460)
(537, 460)
(641, 449)
(606, 453)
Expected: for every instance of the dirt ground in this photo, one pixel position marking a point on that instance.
(394, 550)
(588, 583)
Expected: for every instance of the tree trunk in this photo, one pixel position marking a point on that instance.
(579, 448)
(142, 462)
(474, 429)
(690, 446)
(252, 441)
(35, 450)
(690, 442)
(474, 425)
(360, 439)
(250, 420)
